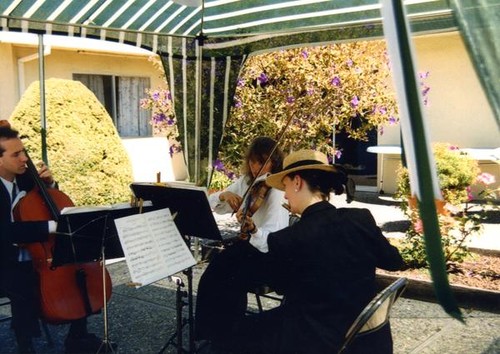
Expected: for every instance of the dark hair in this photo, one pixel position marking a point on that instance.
(259, 151)
(327, 182)
(7, 133)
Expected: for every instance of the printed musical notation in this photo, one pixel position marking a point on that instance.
(153, 247)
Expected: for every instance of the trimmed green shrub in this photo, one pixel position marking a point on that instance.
(84, 151)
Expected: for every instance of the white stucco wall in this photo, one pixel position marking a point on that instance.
(458, 111)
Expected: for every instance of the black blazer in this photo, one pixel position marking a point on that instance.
(17, 232)
(325, 267)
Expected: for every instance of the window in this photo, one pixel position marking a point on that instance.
(121, 95)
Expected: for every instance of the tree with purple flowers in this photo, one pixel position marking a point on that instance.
(346, 87)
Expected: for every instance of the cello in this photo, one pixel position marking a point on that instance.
(68, 292)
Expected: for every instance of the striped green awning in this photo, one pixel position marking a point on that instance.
(147, 23)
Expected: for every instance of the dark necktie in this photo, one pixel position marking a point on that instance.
(14, 192)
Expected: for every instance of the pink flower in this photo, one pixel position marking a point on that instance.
(485, 178)
(419, 226)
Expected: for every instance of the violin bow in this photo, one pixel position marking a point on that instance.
(282, 133)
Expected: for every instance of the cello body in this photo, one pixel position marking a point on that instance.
(67, 292)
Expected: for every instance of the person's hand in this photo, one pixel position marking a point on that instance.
(247, 225)
(234, 200)
(45, 173)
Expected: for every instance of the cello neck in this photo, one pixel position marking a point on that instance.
(51, 205)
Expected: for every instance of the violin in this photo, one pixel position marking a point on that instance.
(67, 292)
(253, 202)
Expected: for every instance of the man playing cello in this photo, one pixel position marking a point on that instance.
(18, 280)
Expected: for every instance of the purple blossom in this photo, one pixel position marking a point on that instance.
(238, 103)
(381, 130)
(392, 120)
(262, 79)
(335, 81)
(382, 110)
(304, 54)
(171, 121)
(354, 102)
(174, 148)
(169, 96)
(290, 99)
(338, 154)
(159, 117)
(350, 62)
(423, 75)
(310, 91)
(218, 165)
(240, 82)
(155, 96)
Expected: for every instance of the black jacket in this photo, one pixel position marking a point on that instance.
(17, 232)
(325, 267)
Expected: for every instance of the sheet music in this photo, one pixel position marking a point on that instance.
(153, 247)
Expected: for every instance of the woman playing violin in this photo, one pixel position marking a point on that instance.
(264, 206)
(267, 212)
(18, 280)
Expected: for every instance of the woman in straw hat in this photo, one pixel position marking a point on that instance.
(324, 265)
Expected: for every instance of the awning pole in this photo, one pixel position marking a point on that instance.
(43, 120)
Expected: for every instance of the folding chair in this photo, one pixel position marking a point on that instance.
(4, 316)
(264, 291)
(376, 314)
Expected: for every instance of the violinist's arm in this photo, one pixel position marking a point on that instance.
(222, 206)
(270, 217)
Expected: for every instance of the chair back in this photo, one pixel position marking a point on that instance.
(376, 314)
(5, 314)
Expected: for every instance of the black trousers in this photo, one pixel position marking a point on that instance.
(19, 284)
(221, 299)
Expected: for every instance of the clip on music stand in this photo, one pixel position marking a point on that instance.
(90, 236)
(193, 218)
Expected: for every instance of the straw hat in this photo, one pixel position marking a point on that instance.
(300, 160)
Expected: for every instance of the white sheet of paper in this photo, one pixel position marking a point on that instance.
(153, 247)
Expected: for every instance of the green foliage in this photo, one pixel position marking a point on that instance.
(343, 85)
(456, 172)
(219, 181)
(85, 153)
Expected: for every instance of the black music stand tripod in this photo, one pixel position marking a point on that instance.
(193, 218)
(91, 237)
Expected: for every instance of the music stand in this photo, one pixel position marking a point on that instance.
(193, 218)
(91, 236)
(193, 215)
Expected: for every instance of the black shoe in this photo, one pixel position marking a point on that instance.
(87, 343)
(26, 349)
(25, 345)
